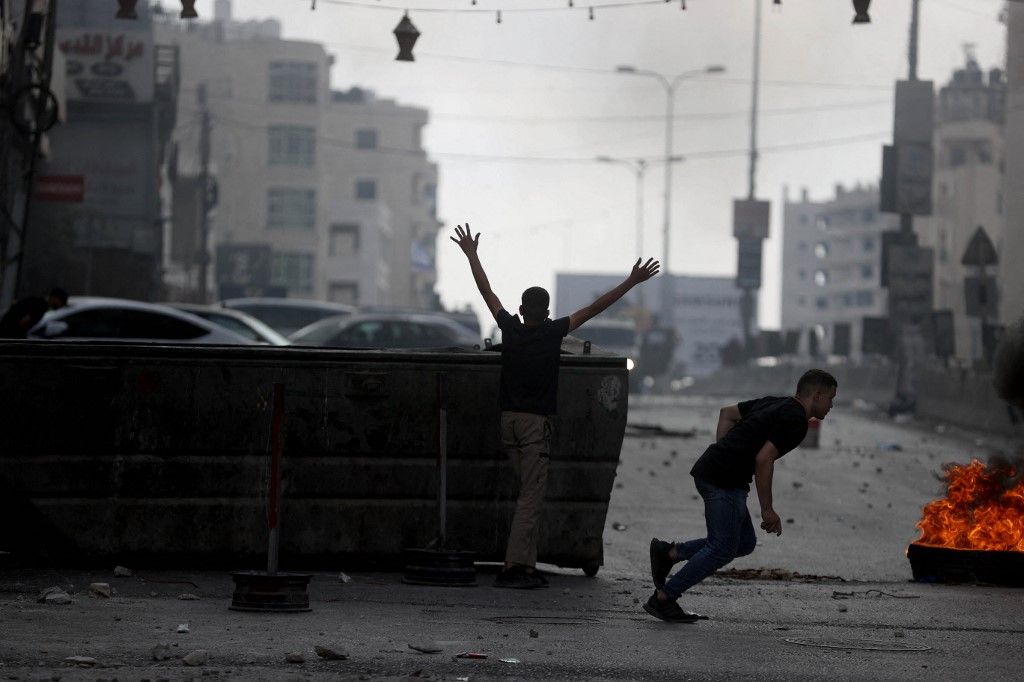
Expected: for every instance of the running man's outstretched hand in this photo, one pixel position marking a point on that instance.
(642, 273)
(466, 241)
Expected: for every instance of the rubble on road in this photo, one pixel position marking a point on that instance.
(81, 661)
(101, 590)
(54, 595)
(122, 572)
(427, 647)
(775, 574)
(187, 596)
(183, 629)
(329, 654)
(295, 657)
(196, 658)
(161, 652)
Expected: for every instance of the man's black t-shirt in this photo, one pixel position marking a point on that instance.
(729, 463)
(529, 363)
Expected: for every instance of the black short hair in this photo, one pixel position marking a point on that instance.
(59, 294)
(535, 303)
(815, 380)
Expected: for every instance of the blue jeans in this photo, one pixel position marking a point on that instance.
(730, 535)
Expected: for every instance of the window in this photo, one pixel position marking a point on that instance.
(292, 82)
(234, 325)
(821, 249)
(822, 303)
(366, 190)
(291, 208)
(344, 240)
(415, 198)
(801, 300)
(821, 277)
(417, 135)
(366, 139)
(291, 146)
(867, 271)
(865, 298)
(868, 243)
(292, 270)
(344, 292)
(822, 222)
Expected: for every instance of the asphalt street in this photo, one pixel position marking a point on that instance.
(851, 613)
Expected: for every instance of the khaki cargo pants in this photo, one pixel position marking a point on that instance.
(526, 439)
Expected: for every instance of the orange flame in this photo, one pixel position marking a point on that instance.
(983, 509)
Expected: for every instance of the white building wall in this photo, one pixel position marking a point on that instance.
(831, 259)
(233, 60)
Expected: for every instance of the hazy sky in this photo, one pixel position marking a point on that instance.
(514, 144)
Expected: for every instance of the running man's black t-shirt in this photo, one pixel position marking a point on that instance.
(529, 364)
(729, 463)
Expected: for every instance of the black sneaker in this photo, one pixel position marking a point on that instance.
(668, 610)
(517, 578)
(661, 564)
(543, 582)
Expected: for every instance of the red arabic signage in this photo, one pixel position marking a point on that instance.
(108, 65)
(61, 188)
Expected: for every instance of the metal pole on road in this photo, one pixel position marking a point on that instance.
(670, 91)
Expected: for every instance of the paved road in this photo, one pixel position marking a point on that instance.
(875, 623)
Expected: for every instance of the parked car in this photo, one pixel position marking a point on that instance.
(287, 315)
(386, 330)
(612, 336)
(466, 318)
(236, 321)
(118, 319)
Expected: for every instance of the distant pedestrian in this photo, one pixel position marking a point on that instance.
(530, 351)
(57, 298)
(21, 317)
(751, 436)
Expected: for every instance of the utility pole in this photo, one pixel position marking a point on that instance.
(204, 193)
(751, 218)
(33, 110)
(747, 298)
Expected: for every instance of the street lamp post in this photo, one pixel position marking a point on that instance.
(638, 167)
(670, 85)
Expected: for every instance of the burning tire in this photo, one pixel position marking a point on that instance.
(947, 565)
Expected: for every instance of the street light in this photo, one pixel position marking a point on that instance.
(669, 84)
(638, 167)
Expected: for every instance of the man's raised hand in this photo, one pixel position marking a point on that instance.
(642, 273)
(466, 241)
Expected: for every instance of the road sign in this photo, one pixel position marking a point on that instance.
(980, 250)
(910, 283)
(907, 179)
(748, 266)
(750, 218)
(60, 188)
(913, 112)
(981, 296)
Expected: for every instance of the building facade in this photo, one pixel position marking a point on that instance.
(311, 189)
(97, 210)
(831, 258)
(967, 193)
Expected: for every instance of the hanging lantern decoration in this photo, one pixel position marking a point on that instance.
(498, 21)
(126, 9)
(188, 9)
(682, 4)
(591, 13)
(861, 8)
(406, 34)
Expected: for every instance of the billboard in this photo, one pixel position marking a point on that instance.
(750, 218)
(748, 263)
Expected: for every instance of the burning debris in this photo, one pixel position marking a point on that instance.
(983, 509)
(976, 532)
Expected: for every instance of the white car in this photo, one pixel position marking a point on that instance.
(234, 320)
(287, 315)
(118, 319)
(396, 330)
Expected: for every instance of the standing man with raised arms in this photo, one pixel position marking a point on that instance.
(528, 397)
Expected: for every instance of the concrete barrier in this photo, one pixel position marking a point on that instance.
(158, 455)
